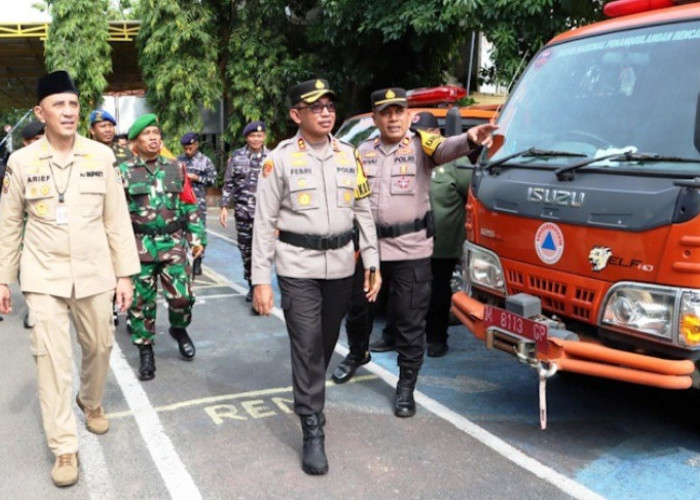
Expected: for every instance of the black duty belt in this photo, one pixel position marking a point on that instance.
(316, 241)
(169, 228)
(395, 230)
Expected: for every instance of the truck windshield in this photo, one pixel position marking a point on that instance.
(632, 91)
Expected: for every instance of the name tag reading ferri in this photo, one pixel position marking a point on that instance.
(61, 215)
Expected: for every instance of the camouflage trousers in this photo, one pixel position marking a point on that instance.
(177, 290)
(244, 230)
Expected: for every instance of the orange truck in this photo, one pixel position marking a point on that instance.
(583, 219)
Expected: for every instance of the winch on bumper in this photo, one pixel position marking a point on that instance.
(523, 332)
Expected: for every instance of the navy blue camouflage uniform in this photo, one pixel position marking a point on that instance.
(240, 185)
(204, 168)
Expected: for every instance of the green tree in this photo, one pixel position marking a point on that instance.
(366, 44)
(178, 54)
(266, 51)
(519, 29)
(77, 42)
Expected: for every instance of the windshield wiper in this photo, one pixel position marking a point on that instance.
(561, 173)
(529, 152)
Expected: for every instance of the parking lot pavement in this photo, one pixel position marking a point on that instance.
(221, 426)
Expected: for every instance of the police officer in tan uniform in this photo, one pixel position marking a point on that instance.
(311, 190)
(77, 248)
(398, 166)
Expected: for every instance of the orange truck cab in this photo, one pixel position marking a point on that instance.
(583, 219)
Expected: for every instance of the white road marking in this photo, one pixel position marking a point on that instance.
(564, 483)
(174, 473)
(228, 397)
(222, 236)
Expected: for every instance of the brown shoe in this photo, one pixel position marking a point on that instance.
(65, 470)
(95, 420)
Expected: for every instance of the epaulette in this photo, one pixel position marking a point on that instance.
(429, 142)
(362, 190)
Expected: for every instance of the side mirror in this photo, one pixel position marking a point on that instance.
(453, 122)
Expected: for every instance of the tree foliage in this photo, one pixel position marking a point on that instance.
(248, 52)
(519, 29)
(366, 44)
(265, 52)
(78, 43)
(178, 55)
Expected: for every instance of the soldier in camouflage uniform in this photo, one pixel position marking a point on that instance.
(164, 226)
(240, 183)
(202, 174)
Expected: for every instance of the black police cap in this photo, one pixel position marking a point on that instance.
(32, 129)
(393, 96)
(424, 119)
(309, 91)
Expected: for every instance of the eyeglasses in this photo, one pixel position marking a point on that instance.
(317, 107)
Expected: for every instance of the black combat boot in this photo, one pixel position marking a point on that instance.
(314, 459)
(404, 405)
(197, 267)
(147, 367)
(184, 342)
(347, 367)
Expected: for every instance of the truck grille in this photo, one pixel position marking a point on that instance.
(561, 293)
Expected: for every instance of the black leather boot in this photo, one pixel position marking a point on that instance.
(184, 342)
(347, 367)
(404, 405)
(147, 367)
(197, 267)
(314, 459)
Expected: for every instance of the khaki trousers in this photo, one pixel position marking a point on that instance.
(52, 350)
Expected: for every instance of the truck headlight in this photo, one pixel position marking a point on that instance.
(484, 269)
(644, 309)
(689, 319)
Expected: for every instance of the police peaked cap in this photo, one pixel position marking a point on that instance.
(189, 138)
(309, 91)
(58, 82)
(32, 129)
(257, 126)
(393, 96)
(141, 123)
(424, 119)
(100, 115)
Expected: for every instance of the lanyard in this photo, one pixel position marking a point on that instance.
(61, 194)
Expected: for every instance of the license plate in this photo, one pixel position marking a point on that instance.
(523, 327)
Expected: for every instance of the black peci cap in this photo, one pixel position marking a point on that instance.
(58, 82)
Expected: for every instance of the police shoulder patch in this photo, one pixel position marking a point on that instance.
(429, 142)
(267, 167)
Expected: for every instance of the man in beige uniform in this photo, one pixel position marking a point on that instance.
(398, 165)
(78, 247)
(311, 190)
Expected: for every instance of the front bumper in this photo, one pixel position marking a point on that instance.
(585, 357)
